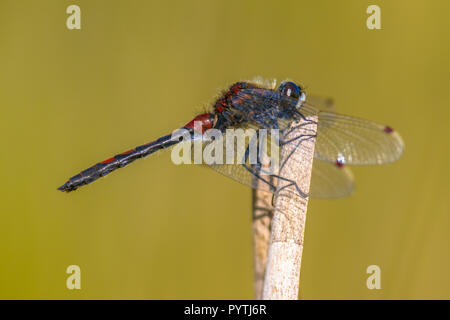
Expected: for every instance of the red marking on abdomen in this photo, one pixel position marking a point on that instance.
(108, 160)
(128, 152)
(206, 122)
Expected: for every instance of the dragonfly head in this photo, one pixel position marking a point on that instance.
(290, 89)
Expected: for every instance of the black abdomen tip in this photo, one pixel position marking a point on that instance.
(67, 187)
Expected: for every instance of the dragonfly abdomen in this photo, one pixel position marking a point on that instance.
(118, 161)
(205, 121)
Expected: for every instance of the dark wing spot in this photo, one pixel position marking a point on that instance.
(388, 129)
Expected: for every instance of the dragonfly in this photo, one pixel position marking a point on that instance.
(340, 140)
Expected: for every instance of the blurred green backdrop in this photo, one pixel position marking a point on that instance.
(139, 69)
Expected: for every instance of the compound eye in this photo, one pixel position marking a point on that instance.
(290, 89)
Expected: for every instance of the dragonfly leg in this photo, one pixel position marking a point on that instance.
(299, 139)
(255, 172)
(297, 127)
(302, 116)
(291, 183)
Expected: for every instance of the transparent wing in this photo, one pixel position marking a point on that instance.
(249, 158)
(327, 180)
(353, 141)
(321, 103)
(330, 181)
(240, 174)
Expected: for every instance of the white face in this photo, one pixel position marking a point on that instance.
(302, 97)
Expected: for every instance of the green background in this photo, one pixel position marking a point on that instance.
(139, 69)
